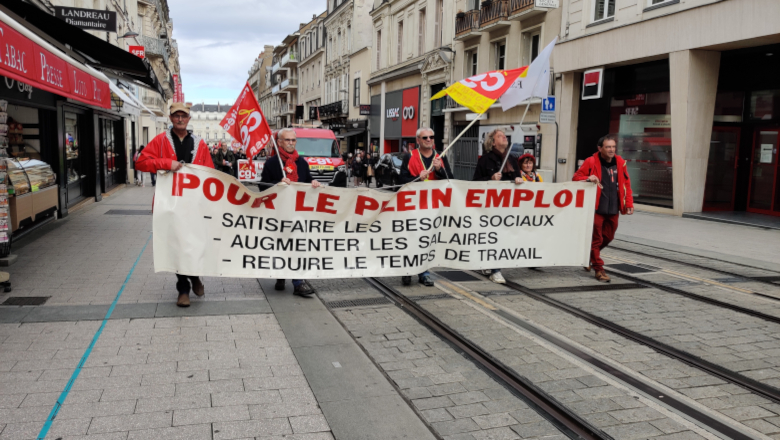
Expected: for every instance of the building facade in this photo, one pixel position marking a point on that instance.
(311, 47)
(411, 58)
(694, 104)
(204, 122)
(284, 82)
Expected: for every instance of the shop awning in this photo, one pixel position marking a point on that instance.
(350, 133)
(30, 59)
(141, 105)
(118, 92)
(95, 51)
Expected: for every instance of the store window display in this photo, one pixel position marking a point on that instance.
(73, 164)
(643, 123)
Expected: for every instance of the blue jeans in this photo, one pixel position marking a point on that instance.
(420, 276)
(297, 283)
(495, 270)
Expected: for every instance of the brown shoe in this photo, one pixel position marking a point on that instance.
(197, 287)
(587, 268)
(184, 300)
(602, 276)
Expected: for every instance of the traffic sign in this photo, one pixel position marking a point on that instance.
(548, 104)
(547, 118)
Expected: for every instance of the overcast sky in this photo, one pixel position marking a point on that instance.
(220, 39)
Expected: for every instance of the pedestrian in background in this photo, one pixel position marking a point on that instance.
(415, 165)
(297, 170)
(225, 160)
(168, 151)
(613, 197)
(357, 168)
(488, 167)
(139, 181)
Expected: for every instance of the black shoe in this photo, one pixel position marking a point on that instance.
(279, 285)
(304, 290)
(406, 280)
(426, 280)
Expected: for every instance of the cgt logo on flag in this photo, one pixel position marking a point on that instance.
(245, 123)
(479, 92)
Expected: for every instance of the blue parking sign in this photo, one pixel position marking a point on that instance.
(548, 104)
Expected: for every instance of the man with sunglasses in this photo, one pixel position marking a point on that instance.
(169, 151)
(296, 169)
(416, 164)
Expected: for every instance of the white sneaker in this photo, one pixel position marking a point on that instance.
(497, 278)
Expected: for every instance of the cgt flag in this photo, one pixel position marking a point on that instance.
(246, 124)
(479, 92)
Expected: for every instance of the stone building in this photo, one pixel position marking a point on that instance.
(311, 47)
(204, 122)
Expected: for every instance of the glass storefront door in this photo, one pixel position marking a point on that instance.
(764, 194)
(109, 153)
(75, 168)
(722, 169)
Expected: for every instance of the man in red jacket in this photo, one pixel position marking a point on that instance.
(613, 197)
(169, 151)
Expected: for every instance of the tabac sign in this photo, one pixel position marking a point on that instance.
(92, 19)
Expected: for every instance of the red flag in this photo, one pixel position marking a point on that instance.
(246, 123)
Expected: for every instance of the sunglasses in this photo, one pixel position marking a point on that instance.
(425, 138)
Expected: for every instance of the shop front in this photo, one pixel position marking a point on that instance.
(401, 120)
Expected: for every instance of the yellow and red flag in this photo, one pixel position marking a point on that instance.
(479, 92)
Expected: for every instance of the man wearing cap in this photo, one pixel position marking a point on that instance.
(169, 151)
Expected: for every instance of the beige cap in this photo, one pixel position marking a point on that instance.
(180, 107)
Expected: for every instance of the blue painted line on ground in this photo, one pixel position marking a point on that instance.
(54, 411)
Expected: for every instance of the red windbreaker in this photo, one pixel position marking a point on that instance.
(592, 166)
(159, 153)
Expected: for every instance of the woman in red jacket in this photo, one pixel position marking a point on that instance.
(613, 197)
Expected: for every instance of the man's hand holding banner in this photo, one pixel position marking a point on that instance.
(207, 223)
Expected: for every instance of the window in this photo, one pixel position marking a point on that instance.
(439, 18)
(500, 55)
(330, 49)
(338, 43)
(421, 32)
(603, 9)
(531, 42)
(378, 50)
(349, 39)
(400, 41)
(356, 93)
(471, 63)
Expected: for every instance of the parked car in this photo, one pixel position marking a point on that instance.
(388, 169)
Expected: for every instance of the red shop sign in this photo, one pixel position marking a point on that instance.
(409, 112)
(24, 60)
(138, 51)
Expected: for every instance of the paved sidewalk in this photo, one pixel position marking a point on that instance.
(222, 369)
(755, 246)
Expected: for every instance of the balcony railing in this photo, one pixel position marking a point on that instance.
(291, 57)
(276, 89)
(518, 6)
(288, 107)
(155, 47)
(275, 68)
(493, 12)
(466, 23)
(153, 101)
(289, 83)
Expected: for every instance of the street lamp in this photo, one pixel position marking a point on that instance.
(443, 53)
(129, 34)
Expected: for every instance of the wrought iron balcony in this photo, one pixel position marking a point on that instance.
(155, 47)
(493, 12)
(466, 23)
(332, 110)
(520, 6)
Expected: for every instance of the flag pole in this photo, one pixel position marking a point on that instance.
(509, 147)
(273, 139)
(456, 138)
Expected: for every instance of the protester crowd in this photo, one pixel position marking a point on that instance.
(171, 149)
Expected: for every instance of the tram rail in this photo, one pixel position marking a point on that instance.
(565, 419)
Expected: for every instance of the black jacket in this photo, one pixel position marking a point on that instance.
(441, 174)
(489, 163)
(272, 171)
(226, 155)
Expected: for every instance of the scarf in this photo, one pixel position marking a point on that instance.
(529, 177)
(416, 165)
(290, 167)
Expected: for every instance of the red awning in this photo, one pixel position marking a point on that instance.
(27, 58)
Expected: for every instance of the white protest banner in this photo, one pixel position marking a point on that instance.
(250, 172)
(206, 223)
